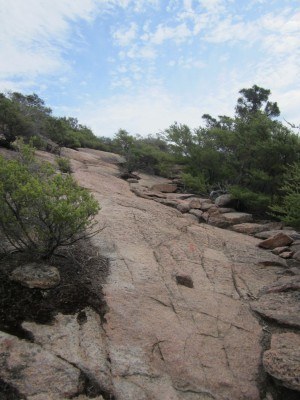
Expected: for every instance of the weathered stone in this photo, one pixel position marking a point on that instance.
(279, 250)
(268, 234)
(224, 200)
(207, 206)
(36, 275)
(279, 240)
(296, 255)
(33, 371)
(282, 361)
(165, 188)
(197, 213)
(183, 207)
(77, 339)
(281, 307)
(286, 254)
(132, 180)
(218, 220)
(295, 246)
(249, 228)
(237, 218)
(284, 284)
(224, 210)
(195, 204)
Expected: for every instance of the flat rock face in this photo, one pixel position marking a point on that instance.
(33, 370)
(281, 307)
(167, 340)
(282, 361)
(36, 275)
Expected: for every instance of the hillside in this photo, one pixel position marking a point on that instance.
(180, 320)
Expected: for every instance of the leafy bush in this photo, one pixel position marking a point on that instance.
(64, 164)
(289, 208)
(195, 183)
(249, 200)
(41, 210)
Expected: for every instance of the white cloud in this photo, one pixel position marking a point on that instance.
(124, 36)
(178, 33)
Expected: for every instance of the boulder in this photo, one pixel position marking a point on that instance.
(295, 246)
(281, 249)
(197, 213)
(224, 210)
(164, 187)
(183, 207)
(279, 240)
(207, 206)
(34, 371)
(218, 221)
(224, 200)
(234, 218)
(35, 275)
(267, 234)
(286, 254)
(196, 203)
(283, 308)
(249, 228)
(132, 180)
(282, 361)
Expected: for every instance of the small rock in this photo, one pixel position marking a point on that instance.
(196, 203)
(279, 240)
(248, 227)
(279, 250)
(34, 371)
(237, 217)
(197, 213)
(165, 187)
(36, 275)
(132, 180)
(224, 200)
(224, 210)
(184, 208)
(296, 256)
(286, 254)
(184, 280)
(282, 361)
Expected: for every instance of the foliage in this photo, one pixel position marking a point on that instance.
(288, 209)
(64, 164)
(194, 183)
(41, 210)
(252, 201)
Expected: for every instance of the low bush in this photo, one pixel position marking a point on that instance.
(64, 164)
(41, 210)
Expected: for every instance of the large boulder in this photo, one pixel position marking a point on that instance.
(34, 371)
(35, 275)
(282, 361)
(279, 240)
(225, 200)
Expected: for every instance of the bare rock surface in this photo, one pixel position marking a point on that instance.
(35, 275)
(189, 338)
(281, 307)
(166, 340)
(282, 361)
(34, 370)
(78, 339)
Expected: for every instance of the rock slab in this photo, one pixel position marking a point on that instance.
(282, 361)
(36, 275)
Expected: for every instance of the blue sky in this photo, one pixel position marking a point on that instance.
(141, 65)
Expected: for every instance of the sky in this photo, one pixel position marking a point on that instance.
(142, 65)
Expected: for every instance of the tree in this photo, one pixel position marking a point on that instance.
(255, 100)
(41, 210)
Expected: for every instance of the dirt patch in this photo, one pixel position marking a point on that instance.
(83, 271)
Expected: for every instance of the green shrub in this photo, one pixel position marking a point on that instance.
(250, 201)
(64, 164)
(195, 183)
(41, 210)
(288, 210)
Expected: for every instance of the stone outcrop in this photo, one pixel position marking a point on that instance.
(35, 275)
(180, 299)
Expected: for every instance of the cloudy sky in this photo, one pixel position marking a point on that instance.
(143, 64)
